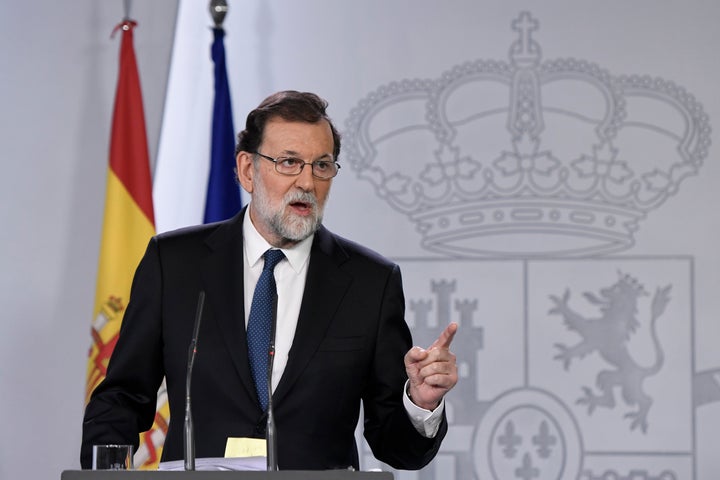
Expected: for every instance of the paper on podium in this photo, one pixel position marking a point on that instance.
(219, 463)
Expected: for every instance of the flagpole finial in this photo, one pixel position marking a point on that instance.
(218, 10)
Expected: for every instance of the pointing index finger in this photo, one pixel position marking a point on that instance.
(446, 337)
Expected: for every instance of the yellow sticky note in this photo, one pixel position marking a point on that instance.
(245, 447)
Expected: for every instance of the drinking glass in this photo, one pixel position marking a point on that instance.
(112, 457)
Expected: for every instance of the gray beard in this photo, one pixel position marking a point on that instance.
(287, 226)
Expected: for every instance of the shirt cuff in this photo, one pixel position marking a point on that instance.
(426, 422)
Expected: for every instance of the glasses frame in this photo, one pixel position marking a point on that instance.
(312, 166)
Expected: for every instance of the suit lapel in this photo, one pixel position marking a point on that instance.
(223, 279)
(325, 287)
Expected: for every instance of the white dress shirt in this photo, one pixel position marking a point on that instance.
(290, 275)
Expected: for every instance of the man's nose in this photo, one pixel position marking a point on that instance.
(305, 180)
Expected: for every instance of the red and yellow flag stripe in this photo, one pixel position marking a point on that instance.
(128, 224)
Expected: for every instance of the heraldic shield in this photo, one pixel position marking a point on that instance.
(569, 368)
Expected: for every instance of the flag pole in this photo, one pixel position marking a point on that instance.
(127, 4)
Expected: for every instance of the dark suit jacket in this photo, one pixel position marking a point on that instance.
(348, 348)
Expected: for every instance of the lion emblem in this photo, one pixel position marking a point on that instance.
(608, 335)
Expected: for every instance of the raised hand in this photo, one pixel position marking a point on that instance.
(432, 371)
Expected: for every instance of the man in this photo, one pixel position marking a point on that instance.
(341, 339)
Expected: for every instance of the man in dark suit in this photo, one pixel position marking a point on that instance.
(341, 338)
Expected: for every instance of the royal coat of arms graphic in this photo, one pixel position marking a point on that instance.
(527, 181)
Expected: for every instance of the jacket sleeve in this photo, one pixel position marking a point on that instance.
(124, 403)
(388, 429)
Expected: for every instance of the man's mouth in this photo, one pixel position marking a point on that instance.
(302, 208)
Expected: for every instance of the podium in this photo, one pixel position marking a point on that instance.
(223, 475)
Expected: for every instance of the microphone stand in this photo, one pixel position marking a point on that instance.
(272, 465)
(189, 439)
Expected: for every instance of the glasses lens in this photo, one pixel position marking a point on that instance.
(324, 169)
(289, 165)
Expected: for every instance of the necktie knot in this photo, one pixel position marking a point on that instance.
(272, 258)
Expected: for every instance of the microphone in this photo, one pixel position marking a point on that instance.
(189, 432)
(272, 465)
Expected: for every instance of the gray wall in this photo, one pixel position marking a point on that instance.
(58, 69)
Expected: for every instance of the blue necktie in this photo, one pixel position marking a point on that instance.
(260, 324)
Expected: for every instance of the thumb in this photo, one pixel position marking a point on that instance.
(415, 354)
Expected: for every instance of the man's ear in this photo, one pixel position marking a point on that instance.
(245, 171)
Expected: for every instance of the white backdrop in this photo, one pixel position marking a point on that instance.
(422, 90)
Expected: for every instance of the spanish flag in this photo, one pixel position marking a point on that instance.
(127, 226)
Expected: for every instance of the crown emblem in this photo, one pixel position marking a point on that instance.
(527, 158)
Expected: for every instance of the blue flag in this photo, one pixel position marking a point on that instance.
(223, 192)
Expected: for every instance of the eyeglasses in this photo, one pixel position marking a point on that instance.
(323, 169)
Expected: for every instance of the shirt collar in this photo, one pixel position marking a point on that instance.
(256, 245)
